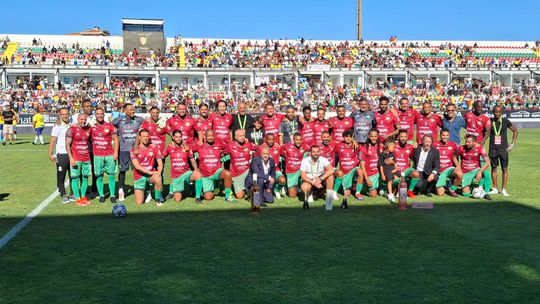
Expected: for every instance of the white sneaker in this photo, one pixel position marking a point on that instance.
(278, 195)
(493, 192)
(504, 193)
(391, 198)
(310, 198)
(148, 198)
(334, 195)
(283, 193)
(121, 197)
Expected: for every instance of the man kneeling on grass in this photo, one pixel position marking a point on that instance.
(316, 172)
(145, 171)
(471, 154)
(210, 165)
(180, 171)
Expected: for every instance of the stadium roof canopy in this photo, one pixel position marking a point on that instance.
(143, 21)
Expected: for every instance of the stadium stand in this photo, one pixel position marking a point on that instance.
(53, 70)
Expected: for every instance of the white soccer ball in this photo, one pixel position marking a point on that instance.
(119, 210)
(478, 192)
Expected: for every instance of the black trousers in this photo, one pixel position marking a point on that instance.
(423, 185)
(62, 169)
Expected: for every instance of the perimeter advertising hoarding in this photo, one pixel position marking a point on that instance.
(514, 115)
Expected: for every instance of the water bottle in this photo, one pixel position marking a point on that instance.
(255, 194)
(402, 192)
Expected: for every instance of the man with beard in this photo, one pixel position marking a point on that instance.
(320, 125)
(275, 152)
(105, 154)
(307, 127)
(78, 149)
(87, 109)
(240, 151)
(242, 120)
(58, 153)
(386, 121)
(180, 121)
(288, 127)
(364, 120)
(407, 117)
(180, 170)
(127, 126)
(316, 172)
(203, 122)
(328, 150)
(499, 148)
(263, 168)
(210, 166)
(427, 167)
(369, 160)
(271, 121)
(427, 123)
(347, 155)
(470, 154)
(478, 124)
(449, 165)
(157, 127)
(340, 124)
(293, 153)
(145, 171)
(403, 153)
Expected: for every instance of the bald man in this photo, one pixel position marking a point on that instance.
(264, 167)
(240, 151)
(242, 120)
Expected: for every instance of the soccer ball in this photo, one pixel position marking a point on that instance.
(478, 192)
(119, 210)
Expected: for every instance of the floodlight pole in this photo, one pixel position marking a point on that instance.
(358, 20)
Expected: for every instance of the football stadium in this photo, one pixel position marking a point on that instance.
(144, 167)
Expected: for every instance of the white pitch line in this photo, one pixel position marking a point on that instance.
(17, 228)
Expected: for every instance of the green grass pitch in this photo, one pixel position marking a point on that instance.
(462, 251)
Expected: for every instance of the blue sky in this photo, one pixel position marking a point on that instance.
(315, 19)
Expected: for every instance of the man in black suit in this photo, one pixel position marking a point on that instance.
(265, 168)
(426, 168)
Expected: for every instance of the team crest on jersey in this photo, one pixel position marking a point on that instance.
(106, 130)
(346, 122)
(475, 153)
(449, 148)
(150, 153)
(187, 123)
(387, 118)
(407, 151)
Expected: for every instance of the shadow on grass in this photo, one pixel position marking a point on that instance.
(457, 252)
(4, 196)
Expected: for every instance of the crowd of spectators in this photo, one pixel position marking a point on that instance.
(277, 54)
(28, 94)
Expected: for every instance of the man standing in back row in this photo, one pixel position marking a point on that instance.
(499, 148)
(128, 126)
(105, 154)
(478, 124)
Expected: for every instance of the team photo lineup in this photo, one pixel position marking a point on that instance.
(365, 153)
(270, 152)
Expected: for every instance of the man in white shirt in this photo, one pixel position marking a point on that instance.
(427, 165)
(58, 153)
(316, 171)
